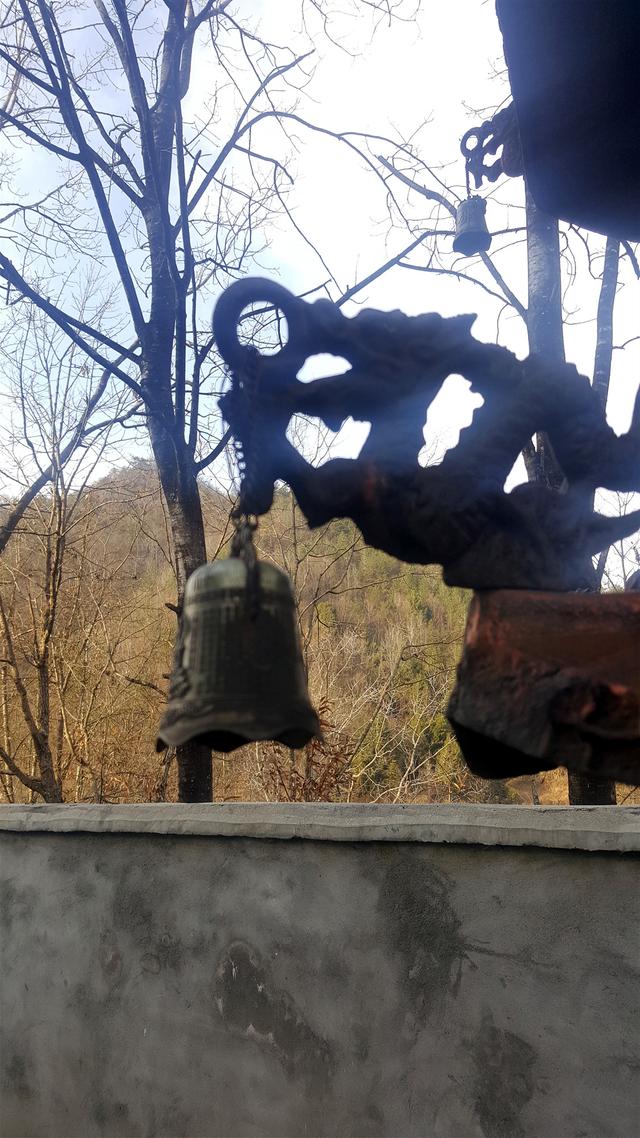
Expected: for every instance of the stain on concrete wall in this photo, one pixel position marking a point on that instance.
(504, 1081)
(424, 929)
(202, 987)
(253, 1008)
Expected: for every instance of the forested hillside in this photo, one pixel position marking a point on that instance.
(87, 632)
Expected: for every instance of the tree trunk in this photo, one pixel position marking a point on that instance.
(604, 322)
(585, 790)
(544, 315)
(195, 778)
(544, 327)
(178, 481)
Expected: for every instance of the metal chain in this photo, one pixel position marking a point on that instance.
(244, 390)
(242, 546)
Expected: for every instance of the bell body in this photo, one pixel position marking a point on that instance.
(236, 679)
(472, 235)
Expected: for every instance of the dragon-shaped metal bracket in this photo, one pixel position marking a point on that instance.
(550, 672)
(456, 514)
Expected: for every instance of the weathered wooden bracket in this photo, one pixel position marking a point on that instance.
(456, 514)
(549, 680)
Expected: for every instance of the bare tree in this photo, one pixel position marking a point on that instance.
(57, 406)
(149, 184)
(64, 630)
(80, 645)
(31, 589)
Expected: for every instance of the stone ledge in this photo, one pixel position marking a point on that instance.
(603, 828)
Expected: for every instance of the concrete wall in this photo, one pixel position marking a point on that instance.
(351, 972)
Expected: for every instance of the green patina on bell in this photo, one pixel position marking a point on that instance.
(238, 673)
(472, 235)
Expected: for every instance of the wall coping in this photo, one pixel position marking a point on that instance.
(604, 828)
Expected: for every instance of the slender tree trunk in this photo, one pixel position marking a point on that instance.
(582, 789)
(544, 316)
(163, 345)
(544, 327)
(604, 325)
(604, 346)
(195, 777)
(587, 790)
(178, 482)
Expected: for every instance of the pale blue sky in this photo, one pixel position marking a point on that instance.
(426, 74)
(433, 71)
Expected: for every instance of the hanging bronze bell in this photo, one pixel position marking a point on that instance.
(238, 674)
(472, 235)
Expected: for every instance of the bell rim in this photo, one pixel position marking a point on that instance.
(180, 731)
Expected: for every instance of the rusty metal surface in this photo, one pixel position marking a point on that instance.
(549, 680)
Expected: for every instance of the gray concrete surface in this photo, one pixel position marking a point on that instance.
(581, 827)
(171, 984)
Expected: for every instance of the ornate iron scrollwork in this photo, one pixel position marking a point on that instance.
(456, 514)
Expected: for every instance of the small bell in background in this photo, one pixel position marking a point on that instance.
(238, 674)
(472, 235)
